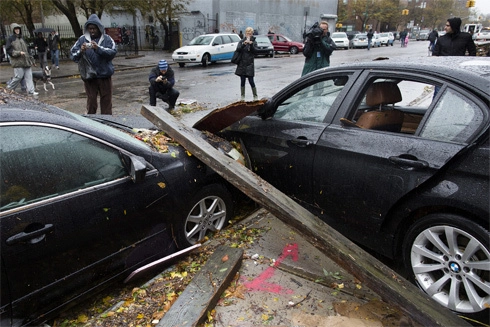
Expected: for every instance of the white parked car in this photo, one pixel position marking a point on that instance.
(207, 48)
(482, 35)
(386, 38)
(340, 39)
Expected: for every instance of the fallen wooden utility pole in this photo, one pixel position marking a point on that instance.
(392, 288)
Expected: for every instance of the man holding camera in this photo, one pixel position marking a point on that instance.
(318, 48)
(162, 82)
(99, 48)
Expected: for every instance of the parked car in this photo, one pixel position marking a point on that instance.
(351, 34)
(282, 43)
(376, 41)
(359, 41)
(483, 34)
(206, 49)
(340, 39)
(394, 155)
(386, 38)
(423, 35)
(84, 204)
(264, 46)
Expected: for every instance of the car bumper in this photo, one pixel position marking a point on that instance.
(186, 58)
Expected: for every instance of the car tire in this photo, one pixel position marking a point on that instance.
(293, 50)
(181, 64)
(444, 255)
(209, 210)
(206, 58)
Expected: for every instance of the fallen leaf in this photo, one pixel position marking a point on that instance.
(225, 258)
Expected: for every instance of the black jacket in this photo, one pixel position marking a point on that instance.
(455, 44)
(433, 36)
(246, 65)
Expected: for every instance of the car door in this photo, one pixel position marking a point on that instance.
(281, 149)
(360, 174)
(71, 217)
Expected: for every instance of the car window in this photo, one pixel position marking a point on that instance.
(281, 39)
(313, 102)
(402, 106)
(234, 38)
(53, 162)
(218, 40)
(455, 118)
(228, 39)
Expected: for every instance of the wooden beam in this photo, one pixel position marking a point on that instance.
(202, 294)
(392, 288)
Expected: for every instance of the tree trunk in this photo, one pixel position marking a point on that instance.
(71, 13)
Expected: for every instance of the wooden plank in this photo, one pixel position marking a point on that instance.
(392, 288)
(202, 294)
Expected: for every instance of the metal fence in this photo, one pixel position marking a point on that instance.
(130, 40)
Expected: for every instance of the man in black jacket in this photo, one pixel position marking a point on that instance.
(162, 82)
(454, 42)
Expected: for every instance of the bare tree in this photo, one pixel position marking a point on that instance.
(69, 9)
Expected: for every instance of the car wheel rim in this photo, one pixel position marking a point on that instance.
(452, 267)
(209, 214)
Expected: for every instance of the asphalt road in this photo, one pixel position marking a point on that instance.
(209, 87)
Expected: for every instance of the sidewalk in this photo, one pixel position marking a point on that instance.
(69, 68)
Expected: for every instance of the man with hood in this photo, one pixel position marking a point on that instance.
(20, 60)
(454, 42)
(99, 48)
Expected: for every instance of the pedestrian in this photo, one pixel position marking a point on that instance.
(370, 35)
(454, 42)
(240, 35)
(318, 48)
(403, 37)
(245, 68)
(41, 47)
(394, 37)
(54, 47)
(20, 60)
(99, 48)
(162, 81)
(432, 40)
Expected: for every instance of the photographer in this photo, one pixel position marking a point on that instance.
(162, 82)
(318, 48)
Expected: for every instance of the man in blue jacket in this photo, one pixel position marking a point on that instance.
(100, 49)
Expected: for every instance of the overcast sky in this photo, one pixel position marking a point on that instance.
(483, 6)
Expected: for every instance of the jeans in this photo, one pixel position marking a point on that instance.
(55, 57)
(43, 59)
(369, 44)
(250, 81)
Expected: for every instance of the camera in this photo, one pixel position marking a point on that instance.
(315, 33)
(88, 45)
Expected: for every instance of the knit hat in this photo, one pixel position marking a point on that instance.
(455, 23)
(162, 64)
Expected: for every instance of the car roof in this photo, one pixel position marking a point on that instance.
(473, 70)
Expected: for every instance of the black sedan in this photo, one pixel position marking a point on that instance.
(394, 155)
(264, 46)
(85, 203)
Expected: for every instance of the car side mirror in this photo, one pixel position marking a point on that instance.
(137, 168)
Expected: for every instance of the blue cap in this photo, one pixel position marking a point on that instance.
(162, 64)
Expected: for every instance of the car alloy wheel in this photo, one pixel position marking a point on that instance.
(211, 209)
(449, 259)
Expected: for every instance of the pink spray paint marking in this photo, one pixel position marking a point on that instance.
(260, 283)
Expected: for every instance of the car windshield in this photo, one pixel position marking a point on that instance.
(384, 34)
(262, 39)
(108, 128)
(201, 40)
(339, 36)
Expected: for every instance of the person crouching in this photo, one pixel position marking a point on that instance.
(161, 85)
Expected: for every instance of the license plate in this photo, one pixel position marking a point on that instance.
(181, 57)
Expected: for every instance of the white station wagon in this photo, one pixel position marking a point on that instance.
(207, 48)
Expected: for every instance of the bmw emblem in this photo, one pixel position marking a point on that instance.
(454, 267)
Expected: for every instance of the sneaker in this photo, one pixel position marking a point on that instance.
(57, 67)
(34, 93)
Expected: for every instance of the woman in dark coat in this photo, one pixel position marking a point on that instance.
(245, 68)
